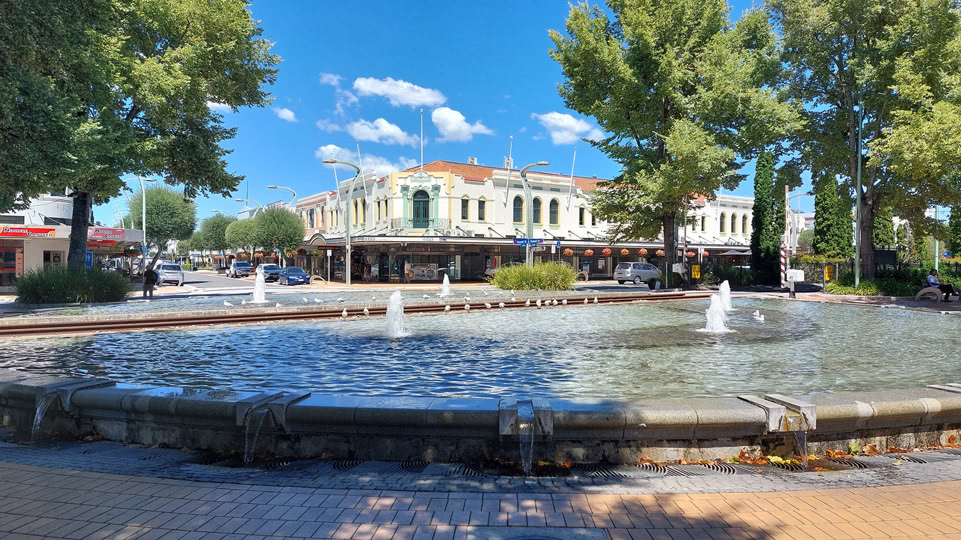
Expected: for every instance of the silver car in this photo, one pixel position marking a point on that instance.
(637, 272)
(170, 273)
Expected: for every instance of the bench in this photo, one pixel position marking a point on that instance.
(935, 293)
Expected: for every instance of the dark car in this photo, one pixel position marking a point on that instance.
(293, 275)
(271, 272)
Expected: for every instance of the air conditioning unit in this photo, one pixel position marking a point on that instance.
(472, 161)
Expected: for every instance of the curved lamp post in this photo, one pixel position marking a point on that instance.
(529, 259)
(245, 201)
(293, 194)
(349, 205)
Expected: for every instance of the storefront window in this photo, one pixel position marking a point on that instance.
(8, 261)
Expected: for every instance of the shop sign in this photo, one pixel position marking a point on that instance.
(105, 233)
(27, 232)
(424, 271)
(696, 271)
(101, 243)
(19, 263)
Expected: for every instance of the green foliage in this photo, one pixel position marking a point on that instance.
(279, 228)
(184, 247)
(169, 216)
(805, 240)
(903, 282)
(765, 231)
(214, 232)
(187, 266)
(242, 234)
(547, 276)
(682, 96)
(59, 285)
(736, 276)
(833, 229)
(884, 228)
(954, 230)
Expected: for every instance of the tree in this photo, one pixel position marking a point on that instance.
(185, 246)
(279, 228)
(832, 221)
(682, 97)
(139, 97)
(904, 242)
(805, 240)
(884, 227)
(898, 61)
(765, 231)
(954, 231)
(242, 234)
(215, 232)
(169, 217)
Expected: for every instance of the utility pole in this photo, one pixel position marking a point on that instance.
(857, 211)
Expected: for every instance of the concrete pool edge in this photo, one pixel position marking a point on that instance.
(298, 424)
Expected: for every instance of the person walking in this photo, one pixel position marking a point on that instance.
(149, 280)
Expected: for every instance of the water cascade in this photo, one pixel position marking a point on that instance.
(445, 288)
(395, 317)
(42, 407)
(716, 317)
(253, 423)
(525, 432)
(260, 287)
(725, 291)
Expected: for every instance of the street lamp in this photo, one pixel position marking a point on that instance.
(293, 194)
(350, 195)
(143, 201)
(529, 259)
(245, 201)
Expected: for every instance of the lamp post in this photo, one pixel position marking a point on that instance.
(529, 259)
(793, 222)
(143, 217)
(350, 196)
(293, 194)
(245, 201)
(857, 199)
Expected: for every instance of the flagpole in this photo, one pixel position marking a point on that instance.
(570, 189)
(422, 138)
(510, 165)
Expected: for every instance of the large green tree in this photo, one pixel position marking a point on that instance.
(242, 234)
(765, 231)
(169, 217)
(279, 228)
(954, 231)
(833, 228)
(140, 97)
(897, 61)
(214, 230)
(884, 228)
(683, 96)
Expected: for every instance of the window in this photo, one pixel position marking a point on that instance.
(481, 210)
(743, 224)
(733, 223)
(554, 215)
(723, 222)
(703, 223)
(354, 222)
(518, 209)
(311, 217)
(580, 216)
(593, 221)
(537, 210)
(363, 210)
(57, 221)
(421, 210)
(465, 209)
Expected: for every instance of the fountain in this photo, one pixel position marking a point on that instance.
(725, 291)
(260, 287)
(445, 288)
(253, 423)
(525, 432)
(42, 407)
(716, 317)
(395, 317)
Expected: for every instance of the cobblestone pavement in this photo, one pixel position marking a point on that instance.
(105, 490)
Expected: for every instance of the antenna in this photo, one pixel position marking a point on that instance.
(510, 165)
(421, 138)
(570, 189)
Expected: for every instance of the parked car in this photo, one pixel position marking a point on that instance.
(638, 273)
(293, 275)
(240, 269)
(170, 273)
(271, 272)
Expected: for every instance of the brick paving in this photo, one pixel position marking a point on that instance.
(40, 502)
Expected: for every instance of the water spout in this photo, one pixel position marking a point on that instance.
(725, 291)
(716, 317)
(525, 432)
(254, 421)
(395, 317)
(42, 407)
(445, 288)
(260, 287)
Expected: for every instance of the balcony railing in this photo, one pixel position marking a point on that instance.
(411, 223)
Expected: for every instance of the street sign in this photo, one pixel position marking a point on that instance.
(557, 244)
(89, 259)
(696, 271)
(828, 272)
(947, 253)
(520, 241)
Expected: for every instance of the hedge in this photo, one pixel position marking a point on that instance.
(58, 285)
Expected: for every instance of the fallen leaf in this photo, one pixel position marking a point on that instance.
(870, 450)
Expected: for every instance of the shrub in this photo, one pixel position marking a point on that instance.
(58, 285)
(187, 266)
(548, 276)
(736, 276)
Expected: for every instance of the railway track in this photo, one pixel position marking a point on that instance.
(165, 320)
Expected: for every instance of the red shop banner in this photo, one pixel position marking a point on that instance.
(101, 243)
(20, 231)
(105, 233)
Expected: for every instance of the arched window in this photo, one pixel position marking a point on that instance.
(723, 222)
(703, 223)
(481, 209)
(354, 217)
(518, 209)
(555, 212)
(580, 216)
(537, 210)
(733, 223)
(421, 210)
(465, 209)
(744, 225)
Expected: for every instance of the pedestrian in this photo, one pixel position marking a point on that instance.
(149, 280)
(407, 272)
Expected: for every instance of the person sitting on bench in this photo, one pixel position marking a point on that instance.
(946, 288)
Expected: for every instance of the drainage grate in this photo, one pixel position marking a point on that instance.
(344, 465)
(652, 468)
(722, 468)
(277, 463)
(849, 462)
(596, 470)
(952, 451)
(414, 466)
(906, 457)
(208, 459)
(687, 470)
(789, 466)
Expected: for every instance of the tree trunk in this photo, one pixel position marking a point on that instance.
(670, 247)
(79, 221)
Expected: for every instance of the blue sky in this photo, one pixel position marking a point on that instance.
(359, 72)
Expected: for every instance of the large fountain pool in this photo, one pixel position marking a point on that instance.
(618, 351)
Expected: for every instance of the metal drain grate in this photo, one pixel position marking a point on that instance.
(596, 470)
(652, 468)
(208, 459)
(952, 451)
(344, 465)
(721, 468)
(277, 463)
(849, 462)
(906, 457)
(789, 466)
(687, 470)
(414, 466)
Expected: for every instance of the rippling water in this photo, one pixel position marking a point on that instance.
(622, 352)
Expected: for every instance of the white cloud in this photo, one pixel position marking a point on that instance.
(345, 98)
(380, 165)
(565, 129)
(329, 126)
(381, 131)
(454, 127)
(285, 114)
(399, 92)
(330, 79)
(219, 107)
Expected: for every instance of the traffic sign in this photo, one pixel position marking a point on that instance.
(558, 244)
(88, 261)
(696, 271)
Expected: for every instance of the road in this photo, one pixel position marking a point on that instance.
(203, 280)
